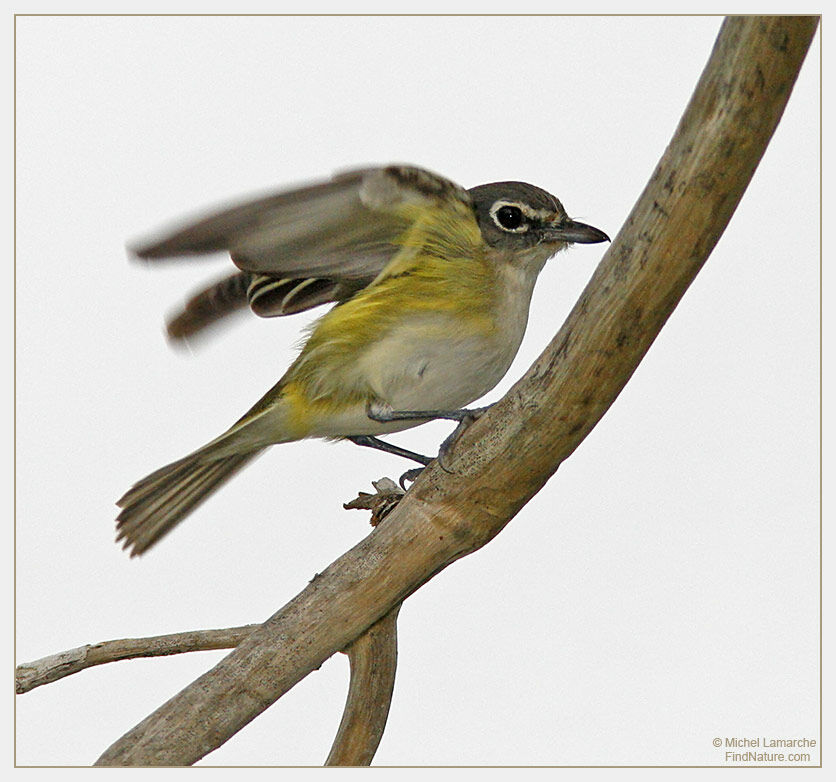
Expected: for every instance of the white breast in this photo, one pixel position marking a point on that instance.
(433, 361)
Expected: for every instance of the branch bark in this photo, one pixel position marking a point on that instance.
(373, 658)
(28, 676)
(505, 457)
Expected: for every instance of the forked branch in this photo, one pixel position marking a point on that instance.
(373, 658)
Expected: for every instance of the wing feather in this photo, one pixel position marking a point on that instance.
(222, 229)
(343, 229)
(305, 247)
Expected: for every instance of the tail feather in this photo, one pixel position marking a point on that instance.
(158, 502)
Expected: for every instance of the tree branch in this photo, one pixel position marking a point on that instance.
(373, 658)
(506, 456)
(57, 666)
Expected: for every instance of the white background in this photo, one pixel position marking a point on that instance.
(661, 591)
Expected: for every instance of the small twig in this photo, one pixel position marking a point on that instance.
(57, 666)
(387, 496)
(373, 658)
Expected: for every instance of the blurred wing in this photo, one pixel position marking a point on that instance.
(345, 229)
(209, 305)
(266, 296)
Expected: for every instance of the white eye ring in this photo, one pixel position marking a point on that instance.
(523, 212)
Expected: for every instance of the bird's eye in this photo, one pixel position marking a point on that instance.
(509, 217)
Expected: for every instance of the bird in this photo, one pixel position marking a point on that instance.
(430, 285)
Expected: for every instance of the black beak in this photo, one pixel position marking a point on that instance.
(570, 231)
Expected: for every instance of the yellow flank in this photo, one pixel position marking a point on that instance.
(301, 410)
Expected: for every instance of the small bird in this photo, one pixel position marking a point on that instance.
(431, 285)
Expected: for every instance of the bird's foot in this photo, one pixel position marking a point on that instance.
(468, 417)
(383, 413)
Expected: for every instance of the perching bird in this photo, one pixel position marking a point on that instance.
(432, 285)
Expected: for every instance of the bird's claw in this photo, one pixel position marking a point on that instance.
(464, 422)
(410, 475)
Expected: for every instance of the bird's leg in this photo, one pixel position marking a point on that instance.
(380, 445)
(383, 413)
